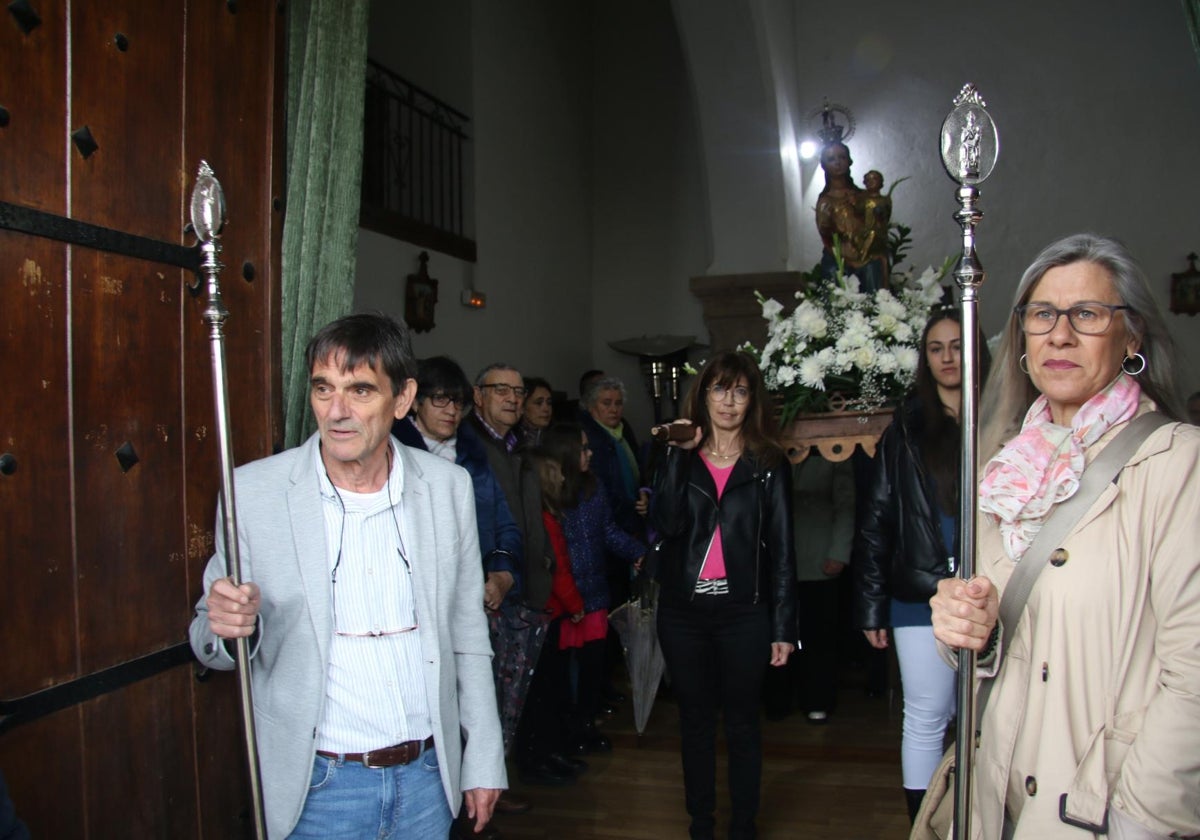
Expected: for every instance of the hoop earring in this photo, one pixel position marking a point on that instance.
(1023, 364)
(1135, 358)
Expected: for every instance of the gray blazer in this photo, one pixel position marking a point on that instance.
(281, 532)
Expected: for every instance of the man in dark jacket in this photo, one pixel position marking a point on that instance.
(499, 393)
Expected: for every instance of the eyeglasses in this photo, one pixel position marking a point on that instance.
(740, 393)
(443, 400)
(360, 617)
(1086, 318)
(374, 631)
(503, 389)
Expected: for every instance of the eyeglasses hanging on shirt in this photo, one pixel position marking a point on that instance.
(369, 626)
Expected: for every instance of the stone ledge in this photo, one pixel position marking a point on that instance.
(731, 313)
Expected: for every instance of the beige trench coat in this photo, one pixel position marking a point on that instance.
(1098, 698)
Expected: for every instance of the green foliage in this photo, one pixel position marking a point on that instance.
(899, 242)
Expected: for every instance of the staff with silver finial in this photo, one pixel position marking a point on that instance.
(969, 146)
(208, 217)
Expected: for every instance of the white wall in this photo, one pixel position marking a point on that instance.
(739, 135)
(428, 44)
(651, 219)
(531, 128)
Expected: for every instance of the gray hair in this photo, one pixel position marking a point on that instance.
(494, 366)
(607, 383)
(1010, 391)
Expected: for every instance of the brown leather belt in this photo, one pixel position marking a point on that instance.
(386, 757)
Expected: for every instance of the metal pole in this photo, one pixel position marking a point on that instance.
(969, 145)
(208, 217)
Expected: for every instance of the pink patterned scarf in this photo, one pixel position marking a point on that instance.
(1040, 467)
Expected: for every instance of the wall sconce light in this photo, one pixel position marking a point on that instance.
(473, 299)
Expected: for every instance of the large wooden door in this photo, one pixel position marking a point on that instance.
(108, 454)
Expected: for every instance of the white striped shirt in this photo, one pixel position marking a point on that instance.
(375, 693)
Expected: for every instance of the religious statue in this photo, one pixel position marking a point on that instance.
(853, 219)
(969, 141)
(877, 215)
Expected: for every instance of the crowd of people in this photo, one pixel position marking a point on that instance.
(378, 576)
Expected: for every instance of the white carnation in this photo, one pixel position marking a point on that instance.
(906, 359)
(810, 321)
(812, 372)
(885, 362)
(857, 320)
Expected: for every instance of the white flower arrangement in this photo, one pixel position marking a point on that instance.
(839, 339)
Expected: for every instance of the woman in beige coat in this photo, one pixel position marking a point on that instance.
(1093, 725)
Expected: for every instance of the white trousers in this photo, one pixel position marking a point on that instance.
(929, 701)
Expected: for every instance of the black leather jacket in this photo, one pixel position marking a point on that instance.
(899, 552)
(756, 532)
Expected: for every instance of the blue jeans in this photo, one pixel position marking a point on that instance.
(347, 801)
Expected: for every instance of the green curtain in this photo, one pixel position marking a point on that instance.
(326, 67)
(1191, 10)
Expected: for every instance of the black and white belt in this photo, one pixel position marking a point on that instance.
(712, 586)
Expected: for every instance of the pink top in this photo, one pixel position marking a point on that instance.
(714, 561)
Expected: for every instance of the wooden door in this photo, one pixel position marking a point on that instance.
(108, 454)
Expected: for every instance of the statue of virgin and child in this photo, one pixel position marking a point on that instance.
(853, 219)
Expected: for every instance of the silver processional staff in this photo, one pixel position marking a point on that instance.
(969, 145)
(208, 217)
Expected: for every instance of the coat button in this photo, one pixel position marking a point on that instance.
(208, 649)
(1058, 556)
(1031, 785)
(1045, 671)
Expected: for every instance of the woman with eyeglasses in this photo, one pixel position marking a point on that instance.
(727, 569)
(907, 541)
(1093, 722)
(443, 393)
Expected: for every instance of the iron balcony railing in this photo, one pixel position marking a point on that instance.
(416, 166)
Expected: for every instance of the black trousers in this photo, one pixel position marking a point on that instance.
(717, 654)
(820, 632)
(589, 661)
(810, 676)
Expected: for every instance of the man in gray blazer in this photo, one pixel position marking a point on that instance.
(371, 663)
